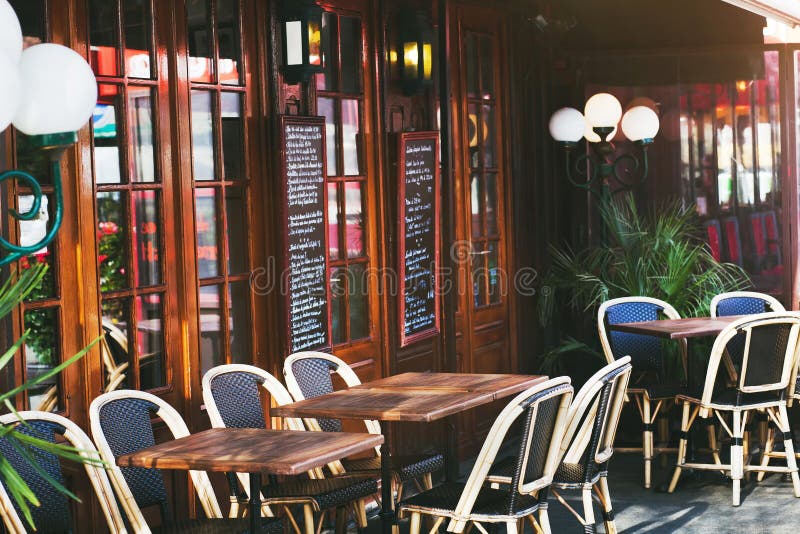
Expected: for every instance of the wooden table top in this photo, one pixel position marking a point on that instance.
(678, 328)
(421, 397)
(247, 450)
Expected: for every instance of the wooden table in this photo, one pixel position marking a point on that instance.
(689, 327)
(420, 397)
(246, 450)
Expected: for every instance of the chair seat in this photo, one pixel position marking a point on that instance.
(442, 500)
(219, 526)
(566, 474)
(727, 399)
(405, 467)
(327, 493)
(658, 391)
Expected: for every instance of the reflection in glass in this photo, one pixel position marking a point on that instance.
(490, 207)
(30, 233)
(477, 133)
(334, 216)
(479, 274)
(487, 67)
(232, 137)
(359, 308)
(745, 177)
(107, 154)
(147, 245)
(205, 208)
(338, 305)
(41, 355)
(490, 137)
(149, 321)
(354, 219)
(236, 211)
(725, 147)
(138, 47)
(211, 337)
(140, 108)
(493, 273)
(228, 39)
(471, 62)
(239, 309)
(350, 130)
(114, 347)
(32, 159)
(475, 204)
(325, 107)
(111, 241)
(202, 136)
(199, 37)
(327, 78)
(103, 28)
(350, 53)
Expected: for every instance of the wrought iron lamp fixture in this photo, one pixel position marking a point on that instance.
(48, 92)
(598, 124)
(302, 40)
(414, 55)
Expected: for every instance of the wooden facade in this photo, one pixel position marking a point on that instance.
(173, 236)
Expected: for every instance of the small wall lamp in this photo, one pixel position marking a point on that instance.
(414, 52)
(598, 125)
(302, 40)
(48, 92)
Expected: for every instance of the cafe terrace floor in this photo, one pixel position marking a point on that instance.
(697, 506)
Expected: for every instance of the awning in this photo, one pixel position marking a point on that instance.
(786, 11)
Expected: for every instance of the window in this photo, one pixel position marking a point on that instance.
(340, 99)
(129, 194)
(222, 187)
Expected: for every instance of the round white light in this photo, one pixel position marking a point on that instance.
(639, 123)
(59, 90)
(566, 125)
(592, 136)
(10, 33)
(603, 110)
(10, 91)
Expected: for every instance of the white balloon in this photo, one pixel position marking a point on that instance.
(10, 32)
(59, 90)
(10, 91)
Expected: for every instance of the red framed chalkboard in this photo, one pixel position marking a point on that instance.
(418, 236)
(304, 212)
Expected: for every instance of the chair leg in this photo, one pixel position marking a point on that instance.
(681, 447)
(588, 510)
(415, 522)
(544, 520)
(605, 499)
(737, 457)
(361, 513)
(234, 512)
(765, 455)
(712, 441)
(511, 527)
(308, 519)
(647, 439)
(427, 481)
(788, 446)
(341, 520)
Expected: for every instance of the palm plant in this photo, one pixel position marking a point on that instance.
(658, 255)
(12, 293)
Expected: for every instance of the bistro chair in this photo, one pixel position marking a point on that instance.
(588, 443)
(308, 375)
(768, 363)
(543, 410)
(648, 383)
(53, 516)
(232, 397)
(121, 424)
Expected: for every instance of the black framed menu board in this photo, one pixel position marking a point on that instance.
(304, 212)
(418, 235)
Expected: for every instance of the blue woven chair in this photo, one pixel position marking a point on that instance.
(232, 397)
(648, 386)
(542, 411)
(308, 375)
(121, 424)
(53, 516)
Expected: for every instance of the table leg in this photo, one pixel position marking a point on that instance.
(387, 514)
(255, 503)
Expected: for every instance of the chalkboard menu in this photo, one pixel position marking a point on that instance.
(305, 282)
(418, 235)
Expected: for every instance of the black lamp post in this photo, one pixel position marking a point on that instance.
(302, 40)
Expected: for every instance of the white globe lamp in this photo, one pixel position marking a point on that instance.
(10, 33)
(603, 110)
(10, 90)
(640, 124)
(567, 125)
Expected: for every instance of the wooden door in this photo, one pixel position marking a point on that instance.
(483, 320)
